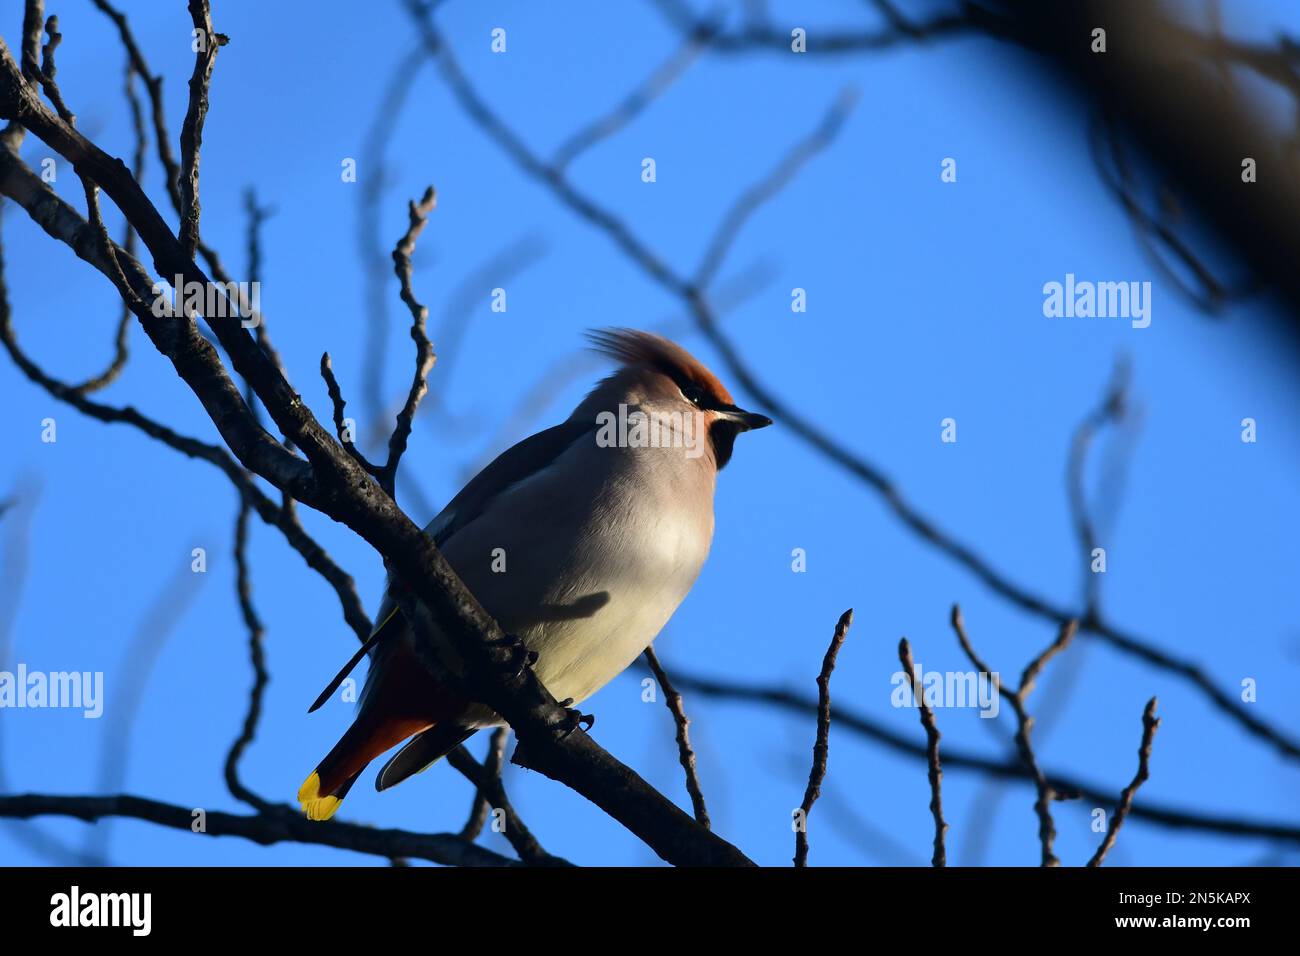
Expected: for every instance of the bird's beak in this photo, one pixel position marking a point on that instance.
(747, 421)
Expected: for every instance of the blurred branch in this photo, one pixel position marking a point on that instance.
(821, 747)
(496, 271)
(481, 807)
(16, 511)
(758, 35)
(632, 105)
(138, 661)
(491, 789)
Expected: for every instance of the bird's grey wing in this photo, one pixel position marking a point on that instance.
(512, 466)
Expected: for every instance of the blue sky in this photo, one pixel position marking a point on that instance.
(924, 302)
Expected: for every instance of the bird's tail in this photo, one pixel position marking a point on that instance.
(368, 737)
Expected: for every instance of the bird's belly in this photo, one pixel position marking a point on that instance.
(588, 605)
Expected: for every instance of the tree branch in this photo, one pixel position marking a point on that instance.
(940, 857)
(821, 747)
(684, 752)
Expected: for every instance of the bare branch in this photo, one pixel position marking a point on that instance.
(940, 857)
(209, 42)
(418, 215)
(1017, 699)
(48, 70)
(283, 826)
(821, 748)
(684, 752)
(340, 423)
(256, 657)
(1150, 723)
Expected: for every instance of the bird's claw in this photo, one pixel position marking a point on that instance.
(512, 657)
(573, 718)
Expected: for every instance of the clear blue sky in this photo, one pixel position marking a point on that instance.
(924, 303)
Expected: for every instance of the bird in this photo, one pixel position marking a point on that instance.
(581, 541)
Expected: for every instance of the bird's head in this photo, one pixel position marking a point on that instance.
(665, 379)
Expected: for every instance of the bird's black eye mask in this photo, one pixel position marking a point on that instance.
(722, 436)
(693, 394)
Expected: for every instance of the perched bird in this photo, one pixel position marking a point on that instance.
(581, 541)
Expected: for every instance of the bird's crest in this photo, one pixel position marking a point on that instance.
(633, 347)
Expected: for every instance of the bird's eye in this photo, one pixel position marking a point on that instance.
(693, 394)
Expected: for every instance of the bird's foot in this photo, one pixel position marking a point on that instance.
(574, 718)
(511, 657)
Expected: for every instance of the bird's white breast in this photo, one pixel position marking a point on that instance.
(586, 560)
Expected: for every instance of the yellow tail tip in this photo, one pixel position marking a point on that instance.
(314, 805)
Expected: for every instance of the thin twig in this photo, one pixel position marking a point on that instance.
(418, 217)
(940, 857)
(684, 751)
(1150, 723)
(192, 129)
(821, 748)
(1025, 723)
(49, 70)
(341, 426)
(256, 658)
